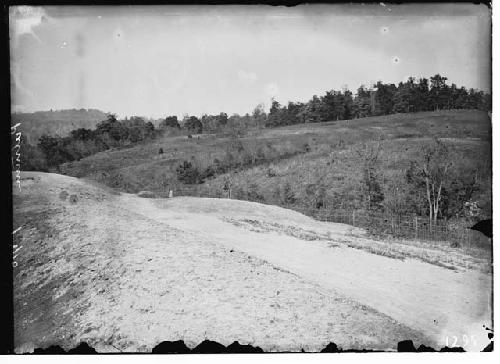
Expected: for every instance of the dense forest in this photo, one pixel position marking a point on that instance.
(379, 99)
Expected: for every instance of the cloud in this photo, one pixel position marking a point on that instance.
(23, 19)
(272, 89)
(248, 77)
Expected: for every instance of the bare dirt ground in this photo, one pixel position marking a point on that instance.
(125, 273)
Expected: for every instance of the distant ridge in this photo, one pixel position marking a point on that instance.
(56, 122)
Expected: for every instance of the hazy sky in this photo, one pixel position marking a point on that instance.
(157, 61)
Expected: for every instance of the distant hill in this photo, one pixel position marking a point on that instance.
(58, 122)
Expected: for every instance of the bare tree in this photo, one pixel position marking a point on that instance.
(251, 146)
(369, 156)
(227, 186)
(434, 166)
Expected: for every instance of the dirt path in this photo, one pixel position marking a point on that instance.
(437, 301)
(124, 273)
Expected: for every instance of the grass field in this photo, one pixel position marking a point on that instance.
(141, 167)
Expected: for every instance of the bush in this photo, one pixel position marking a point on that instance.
(218, 166)
(276, 195)
(193, 125)
(288, 194)
(316, 196)
(253, 193)
(32, 158)
(238, 193)
(189, 174)
(270, 172)
(208, 173)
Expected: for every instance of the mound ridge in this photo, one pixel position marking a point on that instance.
(123, 273)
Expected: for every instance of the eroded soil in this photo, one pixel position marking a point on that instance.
(124, 273)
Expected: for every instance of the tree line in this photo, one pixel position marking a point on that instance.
(379, 99)
(82, 142)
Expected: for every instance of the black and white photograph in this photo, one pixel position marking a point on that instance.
(251, 178)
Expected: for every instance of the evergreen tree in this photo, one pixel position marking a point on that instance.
(438, 94)
(275, 114)
(170, 122)
(384, 98)
(348, 102)
(362, 103)
(193, 125)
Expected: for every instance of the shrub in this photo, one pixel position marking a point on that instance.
(230, 161)
(277, 195)
(32, 157)
(218, 166)
(193, 125)
(208, 173)
(270, 172)
(288, 194)
(253, 193)
(246, 158)
(238, 193)
(320, 198)
(316, 195)
(189, 174)
(261, 154)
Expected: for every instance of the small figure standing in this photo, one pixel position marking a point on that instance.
(170, 194)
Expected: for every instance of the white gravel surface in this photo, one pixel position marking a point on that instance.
(125, 273)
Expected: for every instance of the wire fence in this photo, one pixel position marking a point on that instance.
(380, 224)
(410, 227)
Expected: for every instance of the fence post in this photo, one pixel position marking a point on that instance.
(353, 218)
(416, 227)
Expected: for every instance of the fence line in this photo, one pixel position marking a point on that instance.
(403, 226)
(409, 227)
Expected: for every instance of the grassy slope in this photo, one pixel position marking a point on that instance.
(331, 157)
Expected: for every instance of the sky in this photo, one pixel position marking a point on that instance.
(155, 61)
